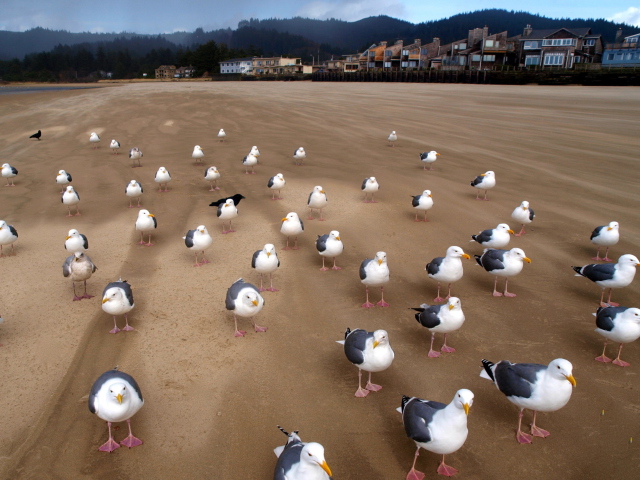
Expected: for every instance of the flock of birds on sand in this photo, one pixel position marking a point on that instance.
(437, 427)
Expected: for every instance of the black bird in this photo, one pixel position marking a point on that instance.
(236, 200)
(36, 135)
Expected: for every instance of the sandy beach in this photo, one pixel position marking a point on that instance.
(212, 401)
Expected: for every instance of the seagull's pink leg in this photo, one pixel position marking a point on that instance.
(273, 196)
(485, 195)
(445, 348)
(130, 200)
(321, 219)
(271, 289)
(261, 289)
(258, 328)
(382, 303)
(416, 220)
(597, 257)
(75, 295)
(287, 247)
(432, 353)
(149, 244)
(130, 441)
(521, 232)
(323, 267)
(603, 358)
(335, 267)
(438, 297)
(367, 304)
(602, 304)
(521, 436)
(606, 258)
(430, 166)
(77, 211)
(372, 199)
(496, 293)
(609, 302)
(413, 473)
(231, 230)
(477, 195)
(139, 203)
(448, 294)
(507, 294)
(110, 445)
(617, 361)
(279, 197)
(115, 326)
(141, 242)
(204, 259)
(223, 230)
(361, 392)
(197, 264)
(446, 470)
(70, 214)
(238, 333)
(310, 217)
(372, 386)
(127, 328)
(86, 295)
(295, 246)
(12, 252)
(537, 431)
(425, 217)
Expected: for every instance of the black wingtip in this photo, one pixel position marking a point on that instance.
(347, 332)
(577, 269)
(405, 400)
(282, 430)
(478, 259)
(474, 237)
(486, 364)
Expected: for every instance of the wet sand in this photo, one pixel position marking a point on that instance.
(212, 400)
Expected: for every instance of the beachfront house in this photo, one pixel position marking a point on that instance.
(560, 48)
(277, 66)
(237, 65)
(165, 71)
(351, 62)
(625, 53)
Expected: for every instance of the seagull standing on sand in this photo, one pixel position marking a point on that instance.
(292, 226)
(76, 242)
(369, 351)
(135, 154)
(114, 146)
(317, 200)
(221, 135)
(523, 215)
(79, 268)
(197, 154)
(445, 319)
(422, 202)
(330, 246)
(537, 387)
(447, 269)
(212, 175)
(249, 161)
(276, 182)
(429, 157)
(117, 299)
(266, 261)
(605, 236)
(245, 300)
(94, 139)
(370, 186)
(9, 172)
(227, 211)
(436, 427)
(163, 177)
(63, 179)
(300, 461)
(392, 138)
(484, 181)
(494, 237)
(116, 397)
(502, 263)
(300, 155)
(37, 135)
(71, 197)
(198, 240)
(374, 272)
(618, 324)
(605, 276)
(8, 235)
(146, 222)
(133, 190)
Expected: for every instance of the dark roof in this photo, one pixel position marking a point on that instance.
(245, 59)
(541, 34)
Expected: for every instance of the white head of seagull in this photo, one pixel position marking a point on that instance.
(75, 241)
(63, 178)
(254, 151)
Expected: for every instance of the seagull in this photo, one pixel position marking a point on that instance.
(63, 178)
(249, 161)
(369, 351)
(227, 211)
(8, 235)
(484, 181)
(494, 237)
(146, 222)
(292, 225)
(266, 261)
(370, 186)
(374, 272)
(221, 135)
(236, 200)
(447, 269)
(429, 157)
(523, 215)
(212, 175)
(163, 176)
(317, 200)
(133, 190)
(135, 154)
(115, 145)
(436, 427)
(198, 240)
(79, 268)
(300, 154)
(502, 263)
(245, 300)
(71, 197)
(254, 151)
(94, 138)
(441, 319)
(330, 246)
(198, 154)
(76, 241)
(300, 461)
(610, 276)
(276, 182)
(37, 135)
(618, 324)
(422, 202)
(116, 397)
(117, 299)
(605, 236)
(537, 387)
(9, 172)
(392, 138)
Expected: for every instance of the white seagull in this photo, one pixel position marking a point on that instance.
(197, 154)
(212, 175)
(163, 177)
(300, 155)
(422, 202)
(133, 190)
(392, 138)
(523, 215)
(221, 135)
(445, 319)
(484, 181)
(266, 261)
(447, 269)
(227, 211)
(135, 154)
(605, 236)
(502, 263)
(494, 237)
(374, 272)
(292, 226)
(8, 235)
(9, 172)
(254, 151)
(618, 324)
(429, 157)
(249, 161)
(300, 461)
(276, 182)
(146, 222)
(245, 300)
(94, 138)
(76, 242)
(63, 178)
(330, 246)
(117, 299)
(79, 268)
(198, 240)
(114, 146)
(618, 275)
(71, 197)
(318, 200)
(370, 186)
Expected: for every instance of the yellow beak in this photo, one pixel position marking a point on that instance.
(151, 215)
(105, 300)
(67, 238)
(337, 238)
(482, 175)
(326, 468)
(524, 208)
(119, 397)
(201, 231)
(376, 343)
(437, 154)
(466, 408)
(321, 191)
(255, 302)
(572, 380)
(466, 255)
(379, 262)
(429, 195)
(268, 254)
(527, 259)
(511, 232)
(285, 219)
(451, 307)
(609, 228)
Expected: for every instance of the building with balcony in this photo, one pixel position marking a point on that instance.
(165, 71)
(277, 66)
(561, 48)
(623, 54)
(237, 65)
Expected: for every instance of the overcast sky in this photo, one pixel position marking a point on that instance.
(152, 16)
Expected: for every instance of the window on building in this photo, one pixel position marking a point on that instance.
(532, 60)
(590, 42)
(387, 64)
(558, 42)
(463, 46)
(628, 56)
(372, 64)
(610, 56)
(405, 64)
(476, 58)
(531, 45)
(405, 52)
(424, 51)
(488, 43)
(413, 64)
(554, 59)
(489, 58)
(462, 61)
(387, 53)
(372, 54)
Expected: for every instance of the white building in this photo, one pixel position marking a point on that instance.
(237, 65)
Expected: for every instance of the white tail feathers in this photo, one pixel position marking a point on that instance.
(341, 342)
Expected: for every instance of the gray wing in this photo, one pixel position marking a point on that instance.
(205, 172)
(302, 225)
(69, 177)
(606, 316)
(416, 200)
(433, 267)
(424, 155)
(417, 415)
(85, 242)
(141, 189)
(364, 183)
(429, 317)
(93, 266)
(188, 240)
(477, 181)
(515, 379)
(106, 376)
(289, 457)
(483, 236)
(155, 222)
(321, 242)
(309, 200)
(270, 184)
(596, 232)
(219, 212)
(493, 260)
(598, 272)
(234, 292)
(531, 214)
(254, 258)
(355, 344)
(14, 232)
(66, 266)
(363, 266)
(244, 159)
